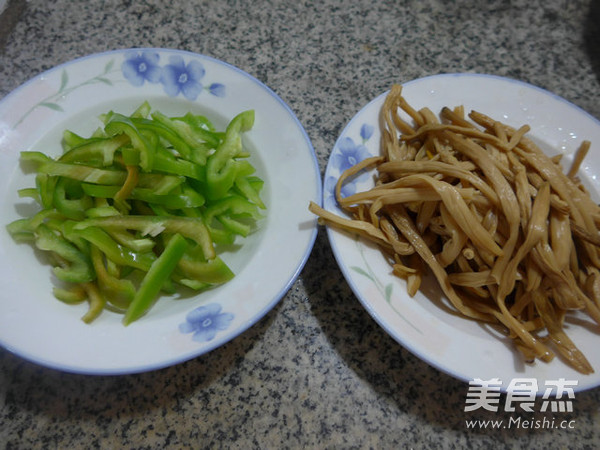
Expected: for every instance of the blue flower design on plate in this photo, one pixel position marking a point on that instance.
(217, 89)
(140, 67)
(348, 189)
(205, 322)
(137, 68)
(177, 76)
(349, 154)
(366, 131)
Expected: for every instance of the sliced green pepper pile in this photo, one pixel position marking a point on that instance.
(137, 208)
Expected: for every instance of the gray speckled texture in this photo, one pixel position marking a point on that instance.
(316, 372)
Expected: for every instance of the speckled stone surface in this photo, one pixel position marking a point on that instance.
(317, 371)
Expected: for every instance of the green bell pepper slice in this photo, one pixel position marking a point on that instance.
(142, 111)
(211, 272)
(97, 302)
(119, 292)
(188, 198)
(166, 133)
(71, 140)
(159, 183)
(127, 239)
(156, 277)
(77, 267)
(120, 124)
(89, 174)
(70, 200)
(95, 151)
(191, 135)
(166, 162)
(71, 295)
(221, 167)
(191, 227)
(45, 185)
(34, 157)
(232, 143)
(250, 188)
(114, 251)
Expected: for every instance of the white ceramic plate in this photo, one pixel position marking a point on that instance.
(459, 347)
(36, 326)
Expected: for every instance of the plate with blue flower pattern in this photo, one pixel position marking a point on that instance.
(459, 347)
(37, 327)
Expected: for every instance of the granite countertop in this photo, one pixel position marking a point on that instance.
(316, 371)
